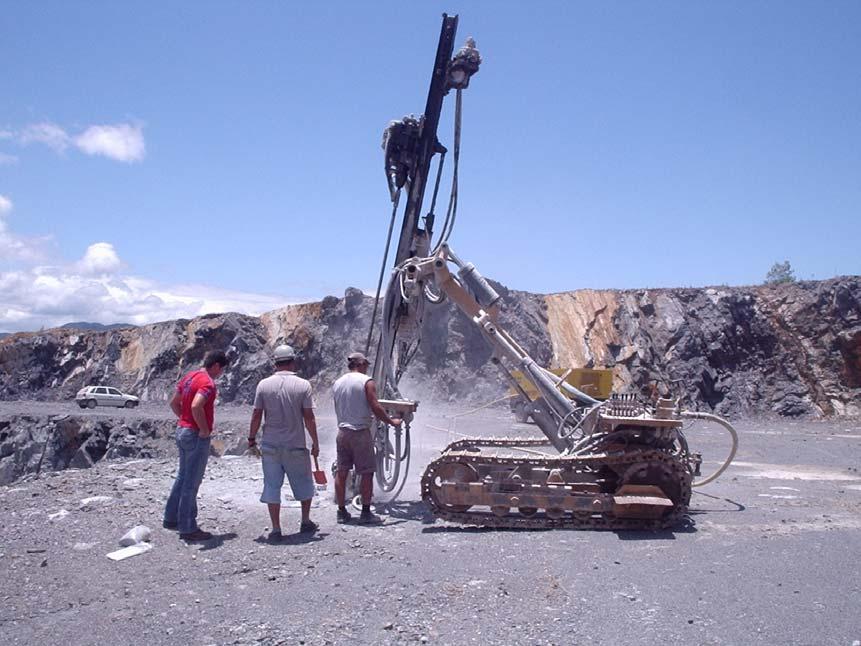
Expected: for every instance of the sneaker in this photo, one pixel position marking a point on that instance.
(308, 527)
(369, 518)
(344, 516)
(274, 536)
(196, 536)
(169, 525)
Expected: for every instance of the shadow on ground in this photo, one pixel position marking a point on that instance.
(686, 526)
(297, 538)
(402, 511)
(733, 508)
(217, 541)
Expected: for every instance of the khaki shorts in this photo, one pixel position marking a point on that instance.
(356, 449)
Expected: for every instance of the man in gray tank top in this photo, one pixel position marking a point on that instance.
(284, 401)
(356, 404)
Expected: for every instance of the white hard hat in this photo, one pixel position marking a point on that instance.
(284, 353)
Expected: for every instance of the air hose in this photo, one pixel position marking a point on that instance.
(687, 414)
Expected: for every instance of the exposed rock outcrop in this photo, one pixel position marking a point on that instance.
(33, 444)
(787, 349)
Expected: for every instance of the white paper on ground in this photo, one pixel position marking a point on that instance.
(94, 499)
(132, 550)
(80, 547)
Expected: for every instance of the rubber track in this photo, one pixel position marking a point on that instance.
(571, 521)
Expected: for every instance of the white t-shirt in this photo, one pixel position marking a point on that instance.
(282, 397)
(351, 402)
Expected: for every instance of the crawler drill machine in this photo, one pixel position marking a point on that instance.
(622, 463)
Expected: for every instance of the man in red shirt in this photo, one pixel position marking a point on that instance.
(193, 403)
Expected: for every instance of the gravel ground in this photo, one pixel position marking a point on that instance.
(147, 409)
(769, 556)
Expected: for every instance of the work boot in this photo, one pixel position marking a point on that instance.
(197, 536)
(274, 536)
(169, 525)
(369, 518)
(344, 516)
(308, 527)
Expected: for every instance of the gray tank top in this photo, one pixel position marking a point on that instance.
(351, 403)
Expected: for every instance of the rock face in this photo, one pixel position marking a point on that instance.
(33, 444)
(787, 349)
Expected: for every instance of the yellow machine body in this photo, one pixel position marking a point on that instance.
(595, 382)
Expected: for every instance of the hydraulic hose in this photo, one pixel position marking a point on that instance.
(395, 202)
(688, 414)
(576, 393)
(399, 478)
(384, 483)
(451, 212)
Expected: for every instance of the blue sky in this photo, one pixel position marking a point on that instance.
(159, 160)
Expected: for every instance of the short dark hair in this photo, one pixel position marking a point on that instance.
(215, 356)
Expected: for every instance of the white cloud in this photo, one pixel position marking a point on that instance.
(7, 160)
(50, 296)
(94, 289)
(100, 258)
(49, 134)
(14, 247)
(123, 142)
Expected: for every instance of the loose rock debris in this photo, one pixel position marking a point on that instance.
(451, 585)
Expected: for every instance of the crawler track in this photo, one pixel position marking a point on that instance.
(475, 453)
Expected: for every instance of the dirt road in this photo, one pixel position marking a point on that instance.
(769, 556)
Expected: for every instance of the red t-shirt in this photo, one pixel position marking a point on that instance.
(196, 381)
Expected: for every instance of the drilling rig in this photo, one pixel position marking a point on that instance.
(620, 463)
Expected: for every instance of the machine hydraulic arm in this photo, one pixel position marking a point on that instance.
(475, 297)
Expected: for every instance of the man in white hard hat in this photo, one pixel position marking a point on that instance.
(356, 404)
(283, 401)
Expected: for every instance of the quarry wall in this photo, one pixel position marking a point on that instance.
(789, 349)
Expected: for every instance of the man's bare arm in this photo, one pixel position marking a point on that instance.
(176, 404)
(374, 403)
(256, 418)
(199, 415)
(311, 425)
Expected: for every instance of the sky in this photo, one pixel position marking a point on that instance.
(160, 160)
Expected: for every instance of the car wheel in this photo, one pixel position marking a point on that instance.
(131, 404)
(91, 403)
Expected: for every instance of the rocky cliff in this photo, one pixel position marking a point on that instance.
(787, 349)
(34, 443)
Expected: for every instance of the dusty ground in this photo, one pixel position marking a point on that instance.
(770, 556)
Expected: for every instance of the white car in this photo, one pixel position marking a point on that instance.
(93, 396)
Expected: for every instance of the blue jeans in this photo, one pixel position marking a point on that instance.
(181, 505)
